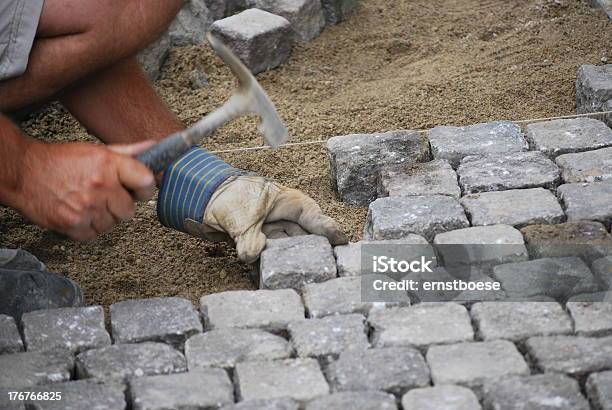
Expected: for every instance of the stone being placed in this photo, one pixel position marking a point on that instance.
(428, 178)
(357, 400)
(298, 379)
(260, 39)
(607, 118)
(471, 364)
(558, 137)
(455, 143)
(266, 309)
(587, 201)
(283, 403)
(306, 16)
(517, 207)
(590, 166)
(152, 58)
(225, 8)
(190, 24)
(593, 88)
(507, 171)
(440, 397)
(599, 390)
(591, 318)
(336, 11)
(79, 395)
(602, 268)
(27, 369)
(393, 370)
(10, 339)
(356, 160)
(397, 217)
(226, 347)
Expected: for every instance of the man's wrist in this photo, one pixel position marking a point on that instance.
(14, 147)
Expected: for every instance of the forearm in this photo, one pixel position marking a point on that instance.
(13, 147)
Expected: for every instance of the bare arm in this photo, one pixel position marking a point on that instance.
(13, 146)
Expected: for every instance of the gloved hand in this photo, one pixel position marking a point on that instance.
(202, 195)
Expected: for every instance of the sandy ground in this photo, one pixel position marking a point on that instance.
(412, 65)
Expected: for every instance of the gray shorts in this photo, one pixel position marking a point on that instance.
(18, 25)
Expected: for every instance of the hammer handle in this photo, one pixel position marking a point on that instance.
(161, 155)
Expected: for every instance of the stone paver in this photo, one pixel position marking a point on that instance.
(73, 329)
(271, 404)
(592, 297)
(455, 143)
(599, 390)
(602, 268)
(152, 58)
(122, 362)
(201, 389)
(517, 207)
(10, 339)
(517, 321)
(226, 347)
(429, 178)
(306, 16)
(79, 395)
(558, 137)
(260, 39)
(440, 397)
(471, 364)
(590, 166)
(27, 369)
(587, 201)
(295, 261)
(266, 309)
(336, 11)
(190, 24)
(168, 320)
(591, 319)
(356, 160)
(537, 392)
(366, 400)
(397, 217)
(421, 325)
(593, 87)
(574, 355)
(507, 171)
(298, 379)
(607, 107)
(328, 336)
(394, 370)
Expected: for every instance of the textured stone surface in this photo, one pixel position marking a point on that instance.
(298, 379)
(558, 137)
(396, 217)
(27, 369)
(152, 58)
(10, 339)
(122, 362)
(266, 309)
(336, 11)
(366, 400)
(470, 364)
(587, 201)
(518, 320)
(226, 347)
(592, 297)
(356, 160)
(263, 404)
(394, 370)
(79, 395)
(590, 166)
(260, 39)
(225, 8)
(602, 268)
(328, 336)
(306, 16)
(593, 87)
(537, 392)
(190, 24)
(591, 319)
(421, 325)
(607, 107)
(455, 143)
(507, 171)
(599, 390)
(574, 355)
(201, 389)
(440, 397)
(295, 261)
(429, 178)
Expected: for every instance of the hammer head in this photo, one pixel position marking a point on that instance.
(251, 97)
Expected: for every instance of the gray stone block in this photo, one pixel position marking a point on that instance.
(336, 11)
(79, 395)
(587, 201)
(271, 404)
(602, 268)
(7, 404)
(366, 400)
(421, 325)
(28, 369)
(200, 389)
(591, 318)
(537, 392)
(125, 361)
(226, 347)
(306, 16)
(507, 171)
(471, 364)
(593, 87)
(397, 217)
(298, 379)
(393, 370)
(517, 207)
(356, 160)
(10, 339)
(599, 390)
(607, 118)
(429, 178)
(260, 39)
(558, 137)
(190, 24)
(517, 321)
(168, 320)
(266, 309)
(590, 166)
(574, 355)
(592, 297)
(455, 143)
(152, 58)
(225, 8)
(440, 397)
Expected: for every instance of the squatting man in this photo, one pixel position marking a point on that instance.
(81, 52)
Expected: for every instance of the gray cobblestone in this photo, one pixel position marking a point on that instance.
(517, 207)
(574, 355)
(602, 268)
(518, 320)
(152, 58)
(448, 397)
(298, 379)
(599, 390)
(81, 394)
(271, 404)
(421, 325)
(593, 87)
(591, 319)
(336, 11)
(267, 309)
(607, 106)
(397, 217)
(366, 400)
(122, 362)
(394, 370)
(590, 166)
(558, 137)
(7, 404)
(592, 297)
(10, 339)
(470, 364)
(190, 24)
(429, 178)
(226, 347)
(27, 369)
(587, 201)
(306, 16)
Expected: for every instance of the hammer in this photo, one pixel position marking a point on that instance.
(248, 98)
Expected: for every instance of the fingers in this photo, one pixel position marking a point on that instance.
(132, 149)
(120, 206)
(250, 244)
(135, 177)
(282, 229)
